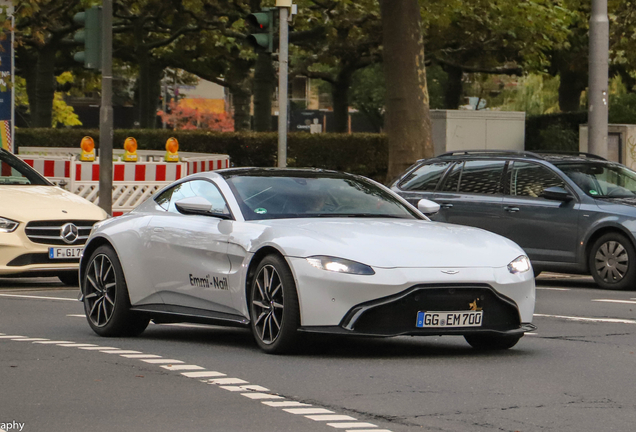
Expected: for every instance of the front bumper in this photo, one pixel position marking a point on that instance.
(397, 314)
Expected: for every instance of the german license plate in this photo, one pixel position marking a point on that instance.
(430, 319)
(65, 252)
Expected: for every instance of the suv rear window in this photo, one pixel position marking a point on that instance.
(425, 178)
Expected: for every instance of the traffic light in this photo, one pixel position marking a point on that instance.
(265, 24)
(90, 36)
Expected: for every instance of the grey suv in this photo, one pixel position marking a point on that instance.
(572, 213)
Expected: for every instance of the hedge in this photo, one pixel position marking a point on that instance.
(365, 154)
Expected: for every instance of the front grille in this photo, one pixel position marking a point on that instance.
(50, 232)
(397, 314)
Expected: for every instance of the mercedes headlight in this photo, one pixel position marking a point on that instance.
(7, 225)
(519, 265)
(340, 265)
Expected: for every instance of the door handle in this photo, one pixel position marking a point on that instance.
(446, 206)
(157, 229)
(511, 209)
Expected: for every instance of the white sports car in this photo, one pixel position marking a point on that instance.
(286, 251)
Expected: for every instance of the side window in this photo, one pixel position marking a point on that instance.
(199, 188)
(425, 178)
(452, 179)
(529, 179)
(482, 177)
(163, 200)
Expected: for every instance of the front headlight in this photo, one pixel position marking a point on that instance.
(519, 265)
(340, 265)
(8, 225)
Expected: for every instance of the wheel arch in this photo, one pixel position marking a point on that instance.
(88, 250)
(254, 262)
(601, 231)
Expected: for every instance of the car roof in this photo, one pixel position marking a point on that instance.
(282, 172)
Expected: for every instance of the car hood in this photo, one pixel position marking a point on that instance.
(25, 203)
(389, 243)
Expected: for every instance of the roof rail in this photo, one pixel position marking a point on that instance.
(571, 153)
(492, 153)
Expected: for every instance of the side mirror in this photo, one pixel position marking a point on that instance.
(193, 205)
(427, 207)
(556, 193)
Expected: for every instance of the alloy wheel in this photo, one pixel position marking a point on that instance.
(612, 261)
(268, 304)
(100, 287)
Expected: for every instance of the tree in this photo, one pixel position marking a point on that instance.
(407, 118)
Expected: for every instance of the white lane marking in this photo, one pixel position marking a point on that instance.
(50, 342)
(614, 301)
(76, 316)
(221, 381)
(308, 411)
(206, 374)
(162, 360)
(12, 337)
(351, 425)
(531, 334)
(140, 356)
(97, 348)
(277, 404)
(245, 388)
(76, 345)
(31, 339)
(39, 297)
(553, 289)
(183, 367)
(602, 320)
(120, 351)
(368, 430)
(261, 396)
(331, 417)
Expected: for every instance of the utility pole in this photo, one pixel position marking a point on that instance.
(598, 79)
(106, 112)
(283, 62)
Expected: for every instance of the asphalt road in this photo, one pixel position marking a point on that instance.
(575, 373)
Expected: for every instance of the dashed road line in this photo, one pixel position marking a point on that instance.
(250, 391)
(39, 297)
(552, 289)
(584, 319)
(614, 301)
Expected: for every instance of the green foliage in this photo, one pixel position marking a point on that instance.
(367, 93)
(535, 94)
(364, 154)
(554, 131)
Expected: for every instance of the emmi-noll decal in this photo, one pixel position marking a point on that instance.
(206, 282)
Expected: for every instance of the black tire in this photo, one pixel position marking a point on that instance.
(492, 342)
(106, 300)
(69, 279)
(273, 304)
(612, 262)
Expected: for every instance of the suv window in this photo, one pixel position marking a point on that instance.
(425, 178)
(477, 176)
(530, 179)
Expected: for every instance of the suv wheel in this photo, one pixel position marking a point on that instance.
(612, 262)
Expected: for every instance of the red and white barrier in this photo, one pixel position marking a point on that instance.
(133, 183)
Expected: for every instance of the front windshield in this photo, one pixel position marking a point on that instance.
(311, 195)
(602, 179)
(15, 172)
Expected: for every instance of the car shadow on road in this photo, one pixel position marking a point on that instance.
(567, 281)
(332, 346)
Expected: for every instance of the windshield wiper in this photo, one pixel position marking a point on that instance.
(356, 215)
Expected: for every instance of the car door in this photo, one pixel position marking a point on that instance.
(546, 229)
(189, 252)
(422, 182)
(472, 194)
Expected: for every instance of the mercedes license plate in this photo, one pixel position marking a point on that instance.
(428, 319)
(65, 252)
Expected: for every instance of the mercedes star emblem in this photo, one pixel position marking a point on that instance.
(69, 233)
